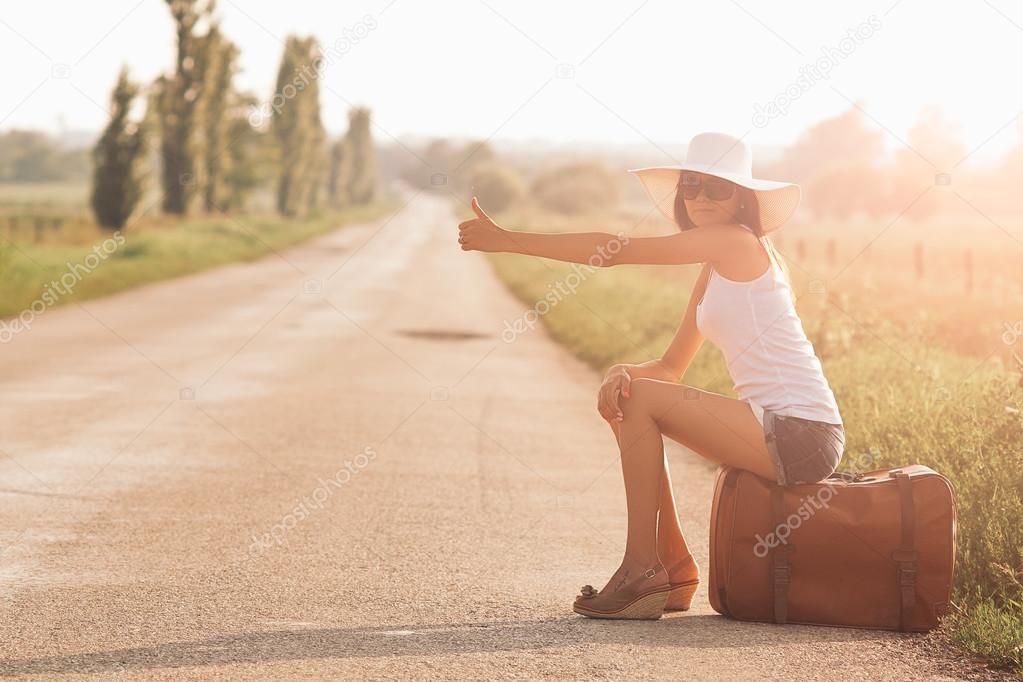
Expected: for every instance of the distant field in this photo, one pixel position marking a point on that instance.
(922, 372)
(151, 250)
(59, 212)
(44, 194)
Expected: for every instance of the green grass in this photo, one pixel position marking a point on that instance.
(993, 631)
(157, 252)
(903, 399)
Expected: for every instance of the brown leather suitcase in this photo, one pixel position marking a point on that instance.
(873, 549)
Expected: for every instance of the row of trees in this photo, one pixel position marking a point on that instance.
(213, 144)
(473, 168)
(841, 163)
(576, 187)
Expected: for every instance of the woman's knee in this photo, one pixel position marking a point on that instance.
(642, 393)
(655, 399)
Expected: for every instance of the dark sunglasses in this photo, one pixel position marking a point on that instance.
(716, 189)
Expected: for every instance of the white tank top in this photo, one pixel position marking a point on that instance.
(771, 361)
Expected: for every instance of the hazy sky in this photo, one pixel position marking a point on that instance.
(659, 70)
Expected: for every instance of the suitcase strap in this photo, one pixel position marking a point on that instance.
(780, 569)
(906, 555)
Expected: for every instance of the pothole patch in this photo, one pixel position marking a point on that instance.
(442, 334)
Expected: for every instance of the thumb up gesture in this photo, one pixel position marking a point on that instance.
(481, 233)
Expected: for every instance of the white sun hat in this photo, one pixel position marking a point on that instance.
(728, 158)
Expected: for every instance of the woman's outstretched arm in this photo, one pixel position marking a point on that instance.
(600, 249)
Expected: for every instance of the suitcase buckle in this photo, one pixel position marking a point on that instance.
(907, 575)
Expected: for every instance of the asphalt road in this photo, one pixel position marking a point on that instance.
(329, 464)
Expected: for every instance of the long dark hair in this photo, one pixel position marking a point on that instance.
(749, 214)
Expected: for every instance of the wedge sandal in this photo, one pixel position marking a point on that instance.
(642, 599)
(681, 596)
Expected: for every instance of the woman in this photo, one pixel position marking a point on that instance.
(785, 424)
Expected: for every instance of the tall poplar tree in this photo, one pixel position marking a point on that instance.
(362, 184)
(298, 127)
(340, 174)
(219, 97)
(245, 163)
(117, 183)
(181, 102)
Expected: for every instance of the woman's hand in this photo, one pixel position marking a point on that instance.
(614, 387)
(482, 234)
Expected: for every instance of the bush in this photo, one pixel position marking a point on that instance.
(577, 188)
(496, 187)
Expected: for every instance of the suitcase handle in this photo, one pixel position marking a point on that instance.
(852, 478)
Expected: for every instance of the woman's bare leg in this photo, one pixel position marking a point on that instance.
(642, 457)
(671, 543)
(672, 548)
(714, 426)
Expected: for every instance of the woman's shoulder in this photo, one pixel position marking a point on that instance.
(746, 262)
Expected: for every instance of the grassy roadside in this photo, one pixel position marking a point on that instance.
(904, 400)
(153, 253)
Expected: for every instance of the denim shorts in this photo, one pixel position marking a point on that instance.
(803, 450)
